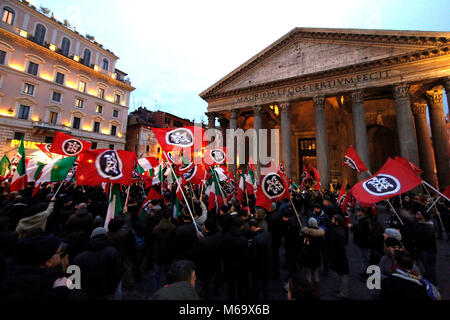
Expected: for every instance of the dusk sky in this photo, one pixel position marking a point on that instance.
(173, 50)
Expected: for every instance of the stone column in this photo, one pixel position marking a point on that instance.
(233, 126)
(446, 84)
(321, 141)
(223, 127)
(440, 136)
(360, 128)
(286, 155)
(211, 120)
(405, 124)
(257, 125)
(424, 142)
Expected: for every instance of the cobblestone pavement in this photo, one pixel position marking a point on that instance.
(358, 289)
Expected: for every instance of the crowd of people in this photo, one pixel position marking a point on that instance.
(237, 248)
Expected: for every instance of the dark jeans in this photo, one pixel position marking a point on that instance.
(160, 275)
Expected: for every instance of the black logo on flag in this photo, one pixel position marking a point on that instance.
(342, 199)
(171, 157)
(349, 162)
(218, 155)
(109, 165)
(272, 186)
(72, 147)
(190, 173)
(180, 137)
(382, 184)
(47, 147)
(228, 187)
(303, 176)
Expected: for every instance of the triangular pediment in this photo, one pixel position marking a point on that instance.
(309, 51)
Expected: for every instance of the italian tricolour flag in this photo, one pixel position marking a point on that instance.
(56, 171)
(19, 179)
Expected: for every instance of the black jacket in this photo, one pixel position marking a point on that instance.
(207, 255)
(100, 268)
(337, 253)
(185, 238)
(260, 255)
(235, 254)
(362, 232)
(163, 236)
(81, 220)
(176, 291)
(425, 237)
(394, 289)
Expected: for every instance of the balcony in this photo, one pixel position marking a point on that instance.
(40, 127)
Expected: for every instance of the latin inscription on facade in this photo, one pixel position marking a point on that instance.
(317, 86)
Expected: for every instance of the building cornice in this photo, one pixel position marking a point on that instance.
(419, 55)
(375, 37)
(72, 63)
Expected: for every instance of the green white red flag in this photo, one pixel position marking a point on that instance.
(19, 179)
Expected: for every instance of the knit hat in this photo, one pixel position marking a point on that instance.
(97, 232)
(393, 233)
(393, 242)
(317, 205)
(37, 250)
(312, 223)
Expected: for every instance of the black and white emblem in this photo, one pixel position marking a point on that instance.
(109, 165)
(72, 147)
(218, 155)
(303, 176)
(382, 184)
(180, 137)
(47, 147)
(349, 162)
(171, 157)
(342, 199)
(228, 187)
(272, 186)
(189, 173)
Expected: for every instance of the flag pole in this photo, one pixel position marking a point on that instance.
(437, 212)
(434, 189)
(296, 213)
(127, 199)
(184, 196)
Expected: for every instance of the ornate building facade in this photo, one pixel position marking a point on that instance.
(327, 89)
(54, 79)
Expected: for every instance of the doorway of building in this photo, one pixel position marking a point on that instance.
(307, 154)
(382, 144)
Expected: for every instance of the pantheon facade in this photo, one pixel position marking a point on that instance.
(327, 89)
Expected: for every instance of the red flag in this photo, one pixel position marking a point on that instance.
(342, 196)
(393, 179)
(317, 178)
(215, 156)
(179, 138)
(68, 146)
(272, 188)
(447, 192)
(195, 174)
(352, 160)
(305, 175)
(153, 194)
(45, 148)
(104, 165)
(410, 164)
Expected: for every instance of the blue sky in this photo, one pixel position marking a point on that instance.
(173, 50)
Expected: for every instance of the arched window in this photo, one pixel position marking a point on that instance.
(65, 46)
(8, 15)
(87, 57)
(39, 34)
(105, 64)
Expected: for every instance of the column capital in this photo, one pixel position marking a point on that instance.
(434, 96)
(223, 122)
(257, 110)
(357, 96)
(211, 114)
(319, 102)
(234, 114)
(285, 107)
(401, 91)
(419, 108)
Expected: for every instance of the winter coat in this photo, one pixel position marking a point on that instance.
(207, 255)
(100, 267)
(397, 287)
(425, 237)
(235, 253)
(163, 237)
(185, 238)
(225, 221)
(81, 220)
(76, 243)
(38, 220)
(182, 290)
(260, 255)
(312, 242)
(121, 238)
(322, 219)
(275, 227)
(337, 254)
(8, 240)
(362, 233)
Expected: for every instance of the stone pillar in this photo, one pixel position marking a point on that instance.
(321, 141)
(257, 125)
(233, 126)
(440, 136)
(405, 124)
(360, 128)
(424, 142)
(446, 84)
(223, 127)
(286, 155)
(211, 120)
